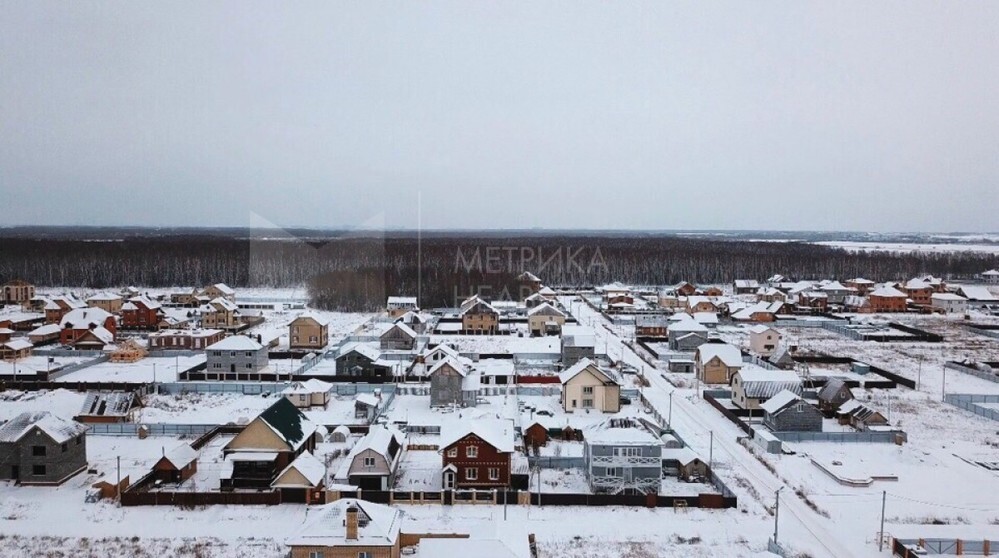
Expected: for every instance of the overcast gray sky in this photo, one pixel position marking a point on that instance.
(780, 115)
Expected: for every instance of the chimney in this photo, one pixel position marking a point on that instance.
(351, 523)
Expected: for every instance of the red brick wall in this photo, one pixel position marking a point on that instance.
(487, 458)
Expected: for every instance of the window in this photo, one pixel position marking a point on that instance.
(369, 461)
(472, 474)
(249, 354)
(65, 446)
(79, 439)
(364, 554)
(38, 470)
(493, 473)
(216, 365)
(232, 354)
(38, 451)
(248, 366)
(588, 390)
(316, 554)
(453, 452)
(587, 403)
(612, 472)
(627, 452)
(472, 451)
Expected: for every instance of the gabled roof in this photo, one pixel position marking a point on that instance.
(104, 297)
(59, 429)
(916, 284)
(224, 289)
(47, 329)
(451, 362)
(110, 403)
(101, 334)
(478, 305)
(978, 294)
(836, 286)
(308, 466)
(288, 423)
(498, 433)
(588, 365)
(620, 432)
(366, 398)
(322, 320)
(578, 336)
(411, 317)
(379, 440)
(17, 344)
(309, 386)
(143, 300)
(779, 402)
(730, 355)
(236, 343)
(686, 325)
(402, 300)
(399, 326)
(991, 273)
(181, 456)
(85, 318)
(887, 291)
(545, 309)
(363, 349)
(760, 328)
(223, 304)
(832, 387)
(760, 383)
(378, 525)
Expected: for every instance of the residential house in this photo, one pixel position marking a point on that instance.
(783, 357)
(17, 291)
(109, 302)
(861, 285)
(788, 412)
(991, 276)
(701, 304)
(833, 394)
(79, 322)
(184, 339)
(453, 383)
(534, 300)
(236, 358)
(684, 289)
(176, 465)
(817, 301)
(977, 296)
(621, 456)
(15, 349)
(349, 528)
(96, 339)
(761, 312)
(176, 318)
(919, 291)
(476, 453)
(373, 462)
(836, 292)
(141, 313)
(619, 302)
(752, 385)
(360, 359)
(416, 321)
(858, 304)
(578, 342)
(267, 445)
(309, 393)
(949, 303)
(218, 290)
(478, 317)
(42, 449)
(763, 340)
(587, 386)
(303, 480)
(56, 308)
(746, 286)
(309, 332)
(530, 281)
(548, 293)
(398, 337)
(6, 334)
(655, 326)
(686, 335)
(717, 363)
(22, 321)
(545, 319)
(220, 313)
(399, 305)
(711, 291)
(887, 299)
(668, 300)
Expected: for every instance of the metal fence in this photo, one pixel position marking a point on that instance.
(244, 388)
(860, 437)
(553, 462)
(944, 547)
(972, 403)
(154, 429)
(983, 374)
(101, 357)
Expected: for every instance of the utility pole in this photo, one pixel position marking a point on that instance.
(669, 421)
(117, 488)
(881, 534)
(919, 372)
(711, 450)
(943, 386)
(776, 511)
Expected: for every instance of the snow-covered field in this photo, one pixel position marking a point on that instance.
(906, 247)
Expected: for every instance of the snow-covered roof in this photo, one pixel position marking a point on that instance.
(585, 364)
(916, 284)
(400, 326)
(307, 387)
(85, 318)
(495, 432)
(545, 309)
(991, 273)
(236, 343)
(308, 466)
(411, 317)
(978, 294)
(620, 432)
(947, 296)
(143, 300)
(760, 383)
(102, 334)
(320, 319)
(288, 423)
(223, 304)
(367, 398)
(378, 525)
(479, 548)
(888, 291)
(224, 289)
(17, 344)
(402, 301)
(730, 355)
(108, 403)
(59, 429)
(778, 402)
(47, 329)
(578, 336)
(181, 456)
(364, 349)
(760, 328)
(104, 297)
(451, 362)
(379, 440)
(686, 325)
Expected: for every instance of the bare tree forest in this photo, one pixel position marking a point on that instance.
(358, 273)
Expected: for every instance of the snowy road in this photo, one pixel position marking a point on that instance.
(803, 527)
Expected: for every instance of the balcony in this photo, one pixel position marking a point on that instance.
(623, 461)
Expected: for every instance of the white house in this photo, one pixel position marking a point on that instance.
(990, 276)
(949, 302)
(763, 339)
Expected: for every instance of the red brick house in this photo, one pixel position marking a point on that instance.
(887, 299)
(140, 313)
(919, 292)
(58, 307)
(77, 323)
(476, 453)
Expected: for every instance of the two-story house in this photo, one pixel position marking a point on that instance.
(476, 453)
(478, 317)
(716, 363)
(374, 460)
(589, 387)
(41, 448)
(267, 445)
(621, 456)
(309, 332)
(141, 313)
(235, 358)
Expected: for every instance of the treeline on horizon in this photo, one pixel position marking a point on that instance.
(358, 273)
